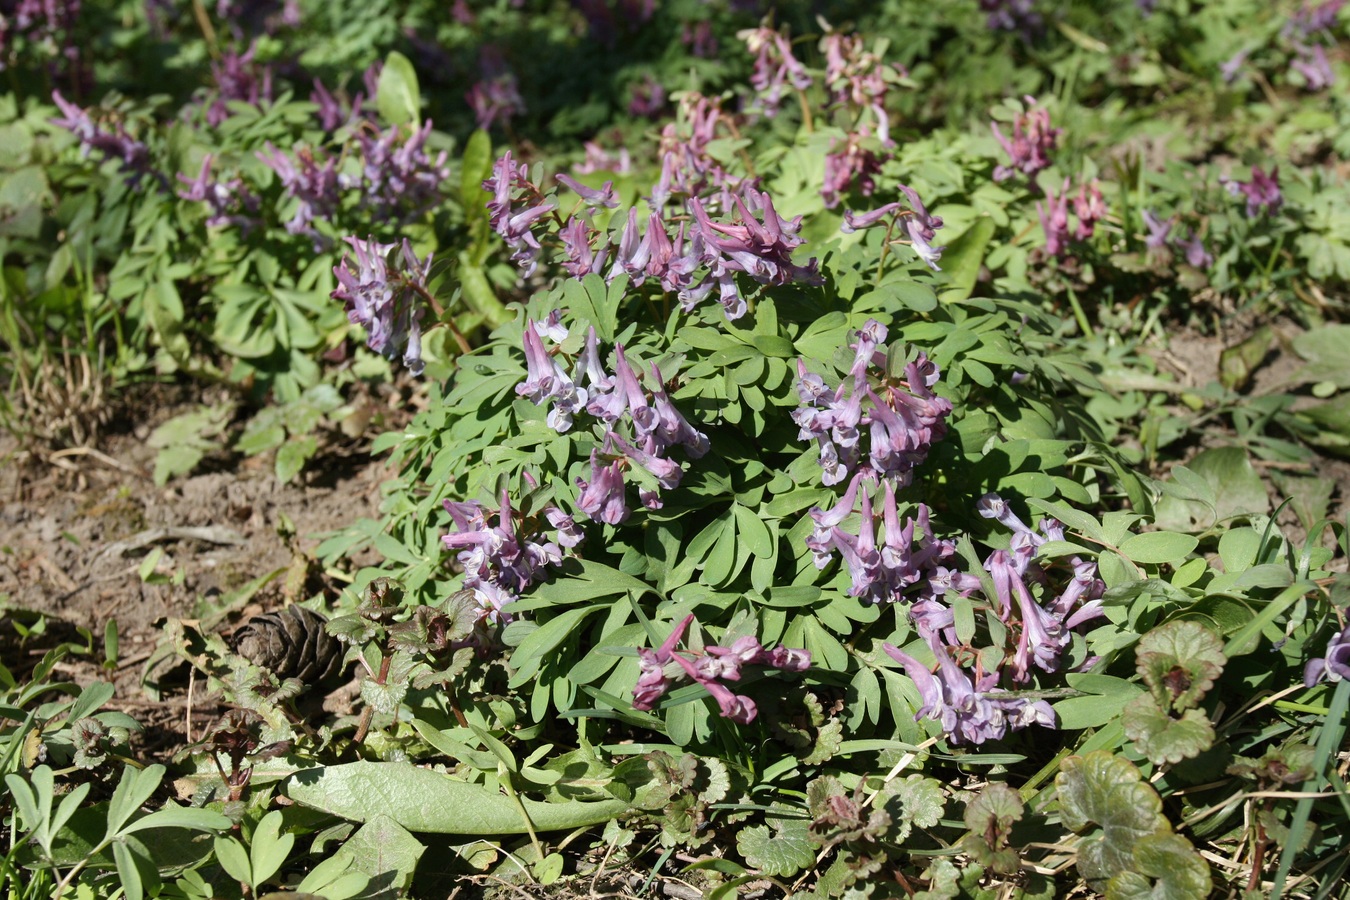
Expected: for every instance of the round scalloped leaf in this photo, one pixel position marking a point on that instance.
(779, 852)
(1179, 662)
(1163, 739)
(1166, 867)
(1106, 790)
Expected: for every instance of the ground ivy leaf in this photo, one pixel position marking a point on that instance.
(921, 798)
(1179, 663)
(1166, 867)
(1106, 790)
(782, 851)
(1162, 738)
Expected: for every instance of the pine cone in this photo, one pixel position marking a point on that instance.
(293, 643)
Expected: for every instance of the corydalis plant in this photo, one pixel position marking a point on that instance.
(636, 427)
(884, 396)
(384, 288)
(691, 254)
(965, 693)
(504, 552)
(1031, 143)
(665, 667)
(921, 225)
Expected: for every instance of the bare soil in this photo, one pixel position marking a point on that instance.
(76, 531)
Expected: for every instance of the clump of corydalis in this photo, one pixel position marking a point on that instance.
(881, 419)
(240, 79)
(1031, 144)
(385, 292)
(44, 26)
(921, 226)
(888, 560)
(965, 693)
(775, 68)
(229, 202)
(496, 96)
(399, 180)
(108, 135)
(311, 181)
(1089, 208)
(636, 426)
(516, 208)
(712, 666)
(859, 81)
(691, 253)
(1014, 15)
(504, 552)
(1262, 192)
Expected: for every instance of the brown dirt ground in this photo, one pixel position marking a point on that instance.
(75, 532)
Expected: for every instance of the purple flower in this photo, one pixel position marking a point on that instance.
(967, 715)
(1090, 208)
(1262, 192)
(1335, 665)
(1158, 231)
(1311, 19)
(1054, 218)
(497, 94)
(314, 185)
(1014, 15)
(581, 260)
(659, 670)
(387, 303)
(1229, 70)
(330, 110)
(1194, 248)
(602, 497)
(240, 80)
(849, 167)
(502, 560)
(1031, 144)
(859, 80)
(547, 381)
(919, 224)
(399, 180)
(604, 196)
(775, 67)
(1312, 64)
(648, 98)
(229, 202)
(112, 144)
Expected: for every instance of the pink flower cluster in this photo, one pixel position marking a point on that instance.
(504, 552)
(897, 411)
(641, 425)
(971, 706)
(665, 667)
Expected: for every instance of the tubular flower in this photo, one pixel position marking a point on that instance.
(775, 67)
(1031, 144)
(387, 303)
(902, 415)
(1335, 665)
(112, 143)
(505, 552)
(664, 668)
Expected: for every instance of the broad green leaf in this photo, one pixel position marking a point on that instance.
(382, 848)
(233, 858)
(397, 96)
(1163, 739)
(269, 848)
(1107, 696)
(293, 455)
(475, 168)
(779, 852)
(128, 871)
(1158, 547)
(1166, 867)
(132, 791)
(1107, 790)
(963, 257)
(181, 817)
(422, 800)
